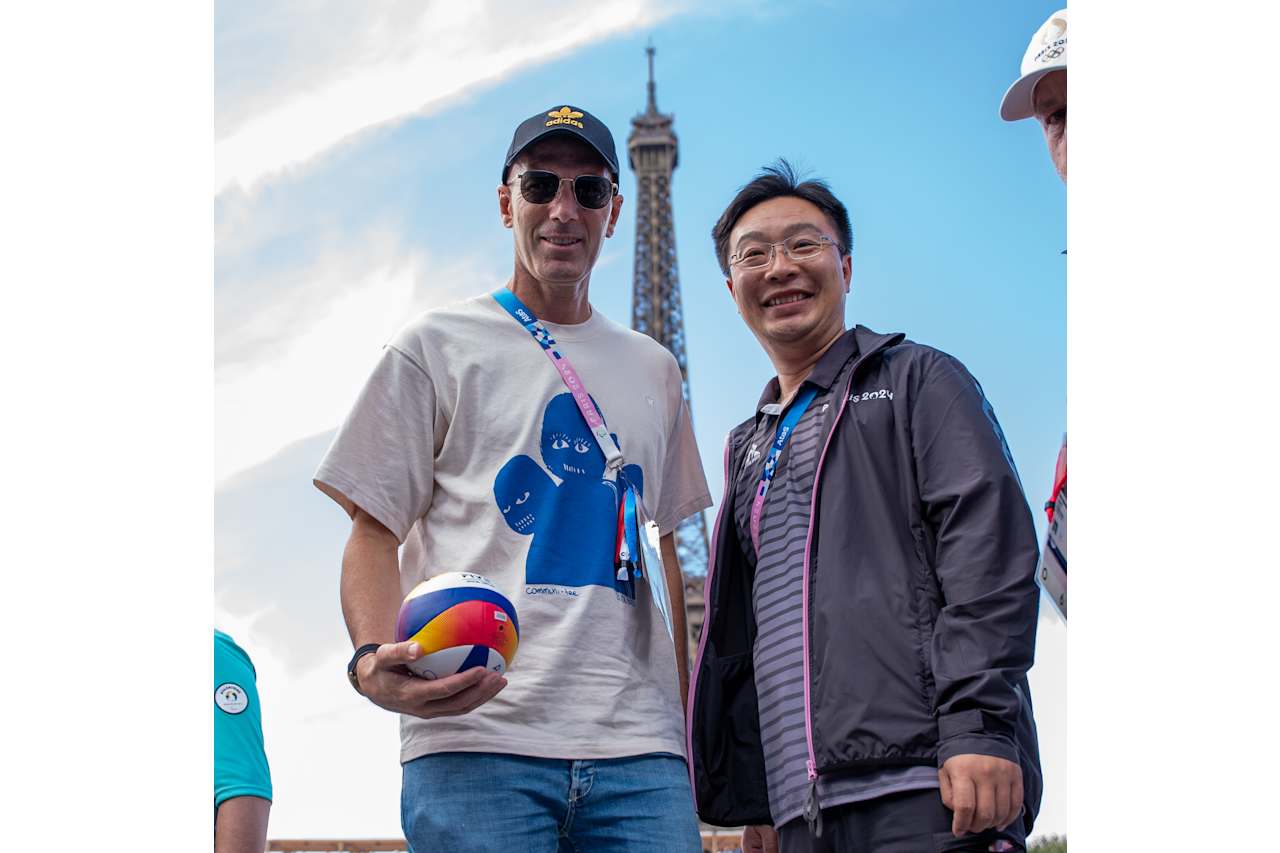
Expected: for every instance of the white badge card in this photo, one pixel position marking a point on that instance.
(1053, 558)
(651, 563)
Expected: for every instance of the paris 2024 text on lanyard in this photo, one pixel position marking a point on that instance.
(637, 549)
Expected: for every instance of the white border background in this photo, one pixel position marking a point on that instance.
(106, 341)
(1171, 307)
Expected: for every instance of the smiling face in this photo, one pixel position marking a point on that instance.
(790, 306)
(1049, 100)
(557, 243)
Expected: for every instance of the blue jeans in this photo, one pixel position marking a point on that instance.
(480, 801)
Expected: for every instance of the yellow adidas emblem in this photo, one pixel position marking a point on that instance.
(565, 115)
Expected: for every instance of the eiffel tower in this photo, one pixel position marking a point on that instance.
(656, 307)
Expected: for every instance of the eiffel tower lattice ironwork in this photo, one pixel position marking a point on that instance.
(656, 307)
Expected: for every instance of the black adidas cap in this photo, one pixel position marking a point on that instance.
(564, 119)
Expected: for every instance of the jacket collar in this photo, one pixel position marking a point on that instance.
(854, 342)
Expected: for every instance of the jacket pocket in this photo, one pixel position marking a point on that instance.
(732, 790)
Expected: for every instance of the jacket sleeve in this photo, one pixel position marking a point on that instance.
(984, 555)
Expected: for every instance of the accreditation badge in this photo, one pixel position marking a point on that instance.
(1052, 571)
(650, 552)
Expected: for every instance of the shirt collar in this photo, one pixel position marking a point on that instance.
(824, 373)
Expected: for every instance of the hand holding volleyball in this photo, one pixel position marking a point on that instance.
(386, 682)
(458, 663)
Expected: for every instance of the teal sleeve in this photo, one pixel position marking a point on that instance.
(239, 760)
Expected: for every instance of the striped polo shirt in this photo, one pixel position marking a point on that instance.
(777, 600)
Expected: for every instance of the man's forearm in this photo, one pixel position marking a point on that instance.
(240, 825)
(370, 582)
(679, 623)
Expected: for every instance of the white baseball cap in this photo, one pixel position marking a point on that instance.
(1047, 52)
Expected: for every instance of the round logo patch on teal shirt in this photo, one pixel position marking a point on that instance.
(231, 697)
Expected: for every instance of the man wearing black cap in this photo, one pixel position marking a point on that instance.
(473, 452)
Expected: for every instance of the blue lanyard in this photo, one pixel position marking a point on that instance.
(785, 428)
(524, 317)
(630, 538)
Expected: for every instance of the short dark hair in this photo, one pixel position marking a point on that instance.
(776, 181)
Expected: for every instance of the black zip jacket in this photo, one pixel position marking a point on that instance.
(921, 601)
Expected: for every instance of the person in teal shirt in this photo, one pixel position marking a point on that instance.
(241, 776)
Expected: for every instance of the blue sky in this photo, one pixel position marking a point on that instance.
(358, 154)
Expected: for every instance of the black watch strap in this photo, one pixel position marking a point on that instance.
(366, 649)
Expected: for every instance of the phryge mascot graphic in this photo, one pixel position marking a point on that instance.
(574, 523)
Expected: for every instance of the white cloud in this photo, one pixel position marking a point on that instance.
(260, 312)
(413, 67)
(313, 378)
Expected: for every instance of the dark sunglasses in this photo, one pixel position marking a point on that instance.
(540, 187)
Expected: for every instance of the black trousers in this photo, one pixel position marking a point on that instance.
(909, 822)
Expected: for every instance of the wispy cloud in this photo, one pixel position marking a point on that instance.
(340, 72)
(277, 386)
(261, 311)
(277, 547)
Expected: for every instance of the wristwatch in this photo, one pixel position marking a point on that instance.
(366, 649)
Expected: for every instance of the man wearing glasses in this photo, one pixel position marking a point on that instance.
(468, 448)
(871, 604)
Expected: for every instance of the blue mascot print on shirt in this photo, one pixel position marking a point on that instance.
(574, 524)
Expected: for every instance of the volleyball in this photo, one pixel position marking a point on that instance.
(461, 621)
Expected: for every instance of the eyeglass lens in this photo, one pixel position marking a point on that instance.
(797, 248)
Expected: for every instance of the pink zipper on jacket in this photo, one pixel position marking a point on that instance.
(702, 641)
(812, 809)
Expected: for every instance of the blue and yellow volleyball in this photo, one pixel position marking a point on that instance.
(461, 621)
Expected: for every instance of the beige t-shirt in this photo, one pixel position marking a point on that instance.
(466, 444)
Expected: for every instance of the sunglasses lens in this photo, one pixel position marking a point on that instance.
(539, 187)
(592, 191)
